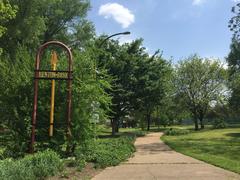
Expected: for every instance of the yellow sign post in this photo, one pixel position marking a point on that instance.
(54, 66)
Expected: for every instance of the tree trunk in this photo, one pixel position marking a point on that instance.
(115, 126)
(113, 122)
(196, 123)
(201, 121)
(148, 121)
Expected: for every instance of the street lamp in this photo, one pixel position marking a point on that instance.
(103, 41)
(117, 34)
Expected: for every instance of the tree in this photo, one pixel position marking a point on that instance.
(119, 62)
(40, 21)
(139, 81)
(153, 75)
(233, 60)
(201, 83)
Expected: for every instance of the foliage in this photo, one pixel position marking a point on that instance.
(200, 82)
(219, 147)
(152, 86)
(16, 101)
(233, 61)
(90, 100)
(140, 81)
(40, 21)
(176, 131)
(219, 124)
(106, 152)
(7, 12)
(234, 76)
(234, 24)
(37, 166)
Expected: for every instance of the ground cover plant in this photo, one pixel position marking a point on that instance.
(220, 147)
(176, 131)
(37, 166)
(105, 152)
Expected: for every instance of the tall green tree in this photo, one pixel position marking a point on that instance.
(201, 83)
(40, 21)
(139, 80)
(119, 62)
(233, 60)
(153, 75)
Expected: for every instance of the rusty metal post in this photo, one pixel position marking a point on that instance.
(69, 100)
(34, 115)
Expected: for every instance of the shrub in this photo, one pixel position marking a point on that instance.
(37, 166)
(106, 152)
(110, 152)
(139, 133)
(175, 132)
(81, 164)
(86, 151)
(12, 170)
(219, 124)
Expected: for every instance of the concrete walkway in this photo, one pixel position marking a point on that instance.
(155, 160)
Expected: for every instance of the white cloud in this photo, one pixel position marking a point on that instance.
(200, 2)
(197, 2)
(118, 12)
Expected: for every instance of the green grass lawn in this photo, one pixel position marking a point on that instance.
(219, 147)
(106, 132)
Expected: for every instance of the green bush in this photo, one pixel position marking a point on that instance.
(107, 152)
(110, 152)
(87, 151)
(139, 133)
(37, 166)
(70, 162)
(12, 170)
(219, 124)
(176, 132)
(81, 163)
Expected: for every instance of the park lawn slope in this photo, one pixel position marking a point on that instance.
(219, 147)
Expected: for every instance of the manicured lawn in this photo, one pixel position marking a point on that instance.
(218, 147)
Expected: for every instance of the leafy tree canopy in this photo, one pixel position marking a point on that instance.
(201, 82)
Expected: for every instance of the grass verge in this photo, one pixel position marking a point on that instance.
(220, 147)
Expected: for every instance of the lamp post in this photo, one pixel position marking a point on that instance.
(117, 34)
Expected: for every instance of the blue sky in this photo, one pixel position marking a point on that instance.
(177, 27)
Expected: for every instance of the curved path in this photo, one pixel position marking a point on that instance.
(155, 160)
